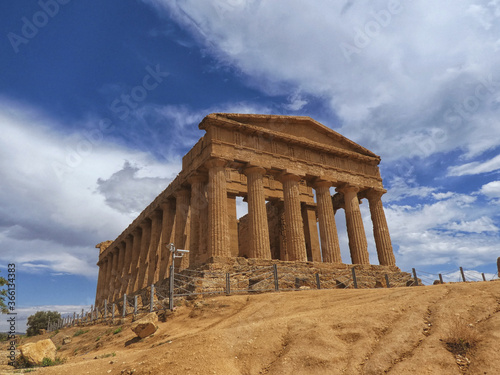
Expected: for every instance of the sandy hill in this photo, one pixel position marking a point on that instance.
(376, 331)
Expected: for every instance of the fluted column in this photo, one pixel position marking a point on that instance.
(107, 285)
(330, 247)
(380, 228)
(355, 229)
(134, 266)
(114, 273)
(218, 229)
(294, 227)
(100, 281)
(154, 253)
(142, 279)
(257, 214)
(182, 224)
(120, 251)
(198, 203)
(167, 232)
(127, 262)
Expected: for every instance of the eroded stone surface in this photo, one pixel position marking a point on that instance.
(145, 326)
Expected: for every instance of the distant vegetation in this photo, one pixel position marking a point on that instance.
(40, 320)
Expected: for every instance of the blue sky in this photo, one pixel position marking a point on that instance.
(99, 101)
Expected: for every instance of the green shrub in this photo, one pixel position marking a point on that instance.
(118, 330)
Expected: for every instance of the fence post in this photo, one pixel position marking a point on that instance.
(354, 280)
(484, 277)
(113, 312)
(82, 317)
(105, 309)
(135, 304)
(318, 282)
(441, 279)
(228, 284)
(415, 276)
(152, 298)
(124, 310)
(275, 275)
(463, 274)
(387, 281)
(171, 287)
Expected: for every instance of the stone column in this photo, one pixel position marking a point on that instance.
(181, 240)
(134, 265)
(257, 214)
(197, 203)
(167, 232)
(114, 273)
(154, 247)
(232, 224)
(218, 229)
(100, 281)
(142, 278)
(107, 285)
(120, 251)
(127, 262)
(294, 227)
(330, 247)
(380, 228)
(311, 232)
(355, 229)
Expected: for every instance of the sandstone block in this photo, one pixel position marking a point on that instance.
(145, 326)
(34, 353)
(66, 340)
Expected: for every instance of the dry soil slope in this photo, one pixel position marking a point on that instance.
(377, 331)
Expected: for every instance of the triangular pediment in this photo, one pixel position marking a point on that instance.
(302, 127)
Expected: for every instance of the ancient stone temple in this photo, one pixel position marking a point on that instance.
(286, 168)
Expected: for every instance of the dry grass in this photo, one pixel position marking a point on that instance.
(463, 337)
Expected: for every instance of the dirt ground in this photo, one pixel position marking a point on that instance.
(370, 331)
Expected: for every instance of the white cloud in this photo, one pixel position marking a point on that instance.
(56, 200)
(491, 189)
(449, 231)
(401, 93)
(475, 167)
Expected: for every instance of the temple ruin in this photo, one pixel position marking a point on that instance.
(279, 164)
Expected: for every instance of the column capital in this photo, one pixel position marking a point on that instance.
(319, 183)
(156, 214)
(198, 177)
(136, 230)
(348, 189)
(251, 169)
(216, 162)
(373, 194)
(182, 193)
(288, 177)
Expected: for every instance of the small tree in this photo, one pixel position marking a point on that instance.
(3, 295)
(40, 320)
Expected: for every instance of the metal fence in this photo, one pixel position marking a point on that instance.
(190, 283)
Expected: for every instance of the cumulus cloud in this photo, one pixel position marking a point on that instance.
(491, 189)
(397, 91)
(52, 211)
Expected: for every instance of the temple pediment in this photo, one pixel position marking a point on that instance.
(299, 127)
